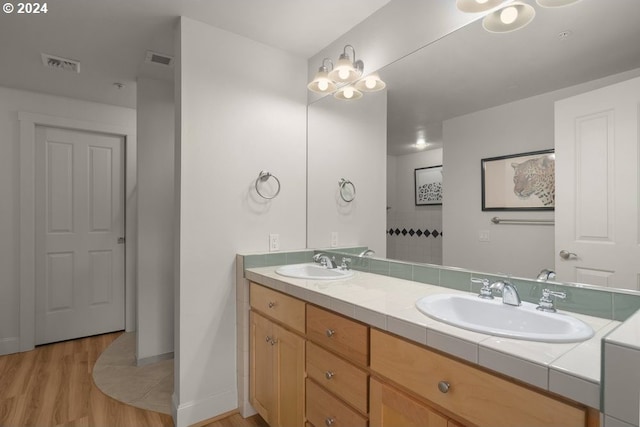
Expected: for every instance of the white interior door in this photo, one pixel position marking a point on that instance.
(597, 223)
(79, 220)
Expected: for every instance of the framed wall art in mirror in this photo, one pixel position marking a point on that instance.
(517, 182)
(428, 185)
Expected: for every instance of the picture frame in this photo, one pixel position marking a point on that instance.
(519, 182)
(428, 185)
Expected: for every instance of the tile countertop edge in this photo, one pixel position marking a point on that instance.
(385, 321)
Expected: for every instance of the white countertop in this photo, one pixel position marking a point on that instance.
(387, 303)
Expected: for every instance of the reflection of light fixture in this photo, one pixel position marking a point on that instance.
(370, 83)
(345, 72)
(555, 3)
(509, 18)
(347, 93)
(321, 83)
(475, 6)
(421, 143)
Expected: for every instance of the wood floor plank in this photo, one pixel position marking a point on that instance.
(53, 386)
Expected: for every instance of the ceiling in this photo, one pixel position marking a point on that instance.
(110, 38)
(471, 69)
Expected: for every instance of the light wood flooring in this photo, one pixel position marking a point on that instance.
(53, 386)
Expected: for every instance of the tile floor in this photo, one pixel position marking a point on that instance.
(147, 387)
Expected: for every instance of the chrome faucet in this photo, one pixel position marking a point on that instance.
(546, 303)
(325, 261)
(545, 275)
(366, 252)
(509, 292)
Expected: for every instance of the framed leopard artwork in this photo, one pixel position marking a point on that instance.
(524, 181)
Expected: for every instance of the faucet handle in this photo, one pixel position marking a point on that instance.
(345, 265)
(485, 291)
(546, 303)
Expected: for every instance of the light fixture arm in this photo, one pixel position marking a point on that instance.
(357, 64)
(323, 67)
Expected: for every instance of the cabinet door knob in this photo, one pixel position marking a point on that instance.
(267, 338)
(329, 375)
(330, 332)
(329, 421)
(272, 304)
(444, 386)
(273, 342)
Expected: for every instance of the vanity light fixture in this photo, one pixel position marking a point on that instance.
(512, 17)
(345, 80)
(505, 16)
(321, 83)
(476, 6)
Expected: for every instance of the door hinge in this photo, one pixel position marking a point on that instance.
(121, 240)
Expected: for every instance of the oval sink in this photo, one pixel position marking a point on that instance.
(313, 272)
(495, 318)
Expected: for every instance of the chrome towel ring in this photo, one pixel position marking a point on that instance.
(347, 190)
(264, 176)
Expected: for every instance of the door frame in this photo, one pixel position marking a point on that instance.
(28, 123)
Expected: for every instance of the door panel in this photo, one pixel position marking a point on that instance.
(79, 218)
(597, 186)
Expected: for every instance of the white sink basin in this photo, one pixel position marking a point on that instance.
(313, 272)
(495, 318)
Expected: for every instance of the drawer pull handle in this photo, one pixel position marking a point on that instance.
(272, 304)
(328, 375)
(329, 421)
(330, 333)
(444, 386)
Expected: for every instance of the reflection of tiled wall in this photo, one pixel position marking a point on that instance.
(415, 236)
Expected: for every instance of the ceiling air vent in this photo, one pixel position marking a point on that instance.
(58, 63)
(159, 58)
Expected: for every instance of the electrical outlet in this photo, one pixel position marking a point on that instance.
(334, 239)
(274, 242)
(483, 236)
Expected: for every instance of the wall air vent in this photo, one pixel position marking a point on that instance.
(58, 63)
(159, 59)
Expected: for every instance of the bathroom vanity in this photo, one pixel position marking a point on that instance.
(356, 352)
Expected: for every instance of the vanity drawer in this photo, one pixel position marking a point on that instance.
(337, 333)
(338, 376)
(278, 306)
(325, 410)
(473, 394)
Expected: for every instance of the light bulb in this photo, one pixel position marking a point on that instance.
(343, 73)
(508, 15)
(481, 1)
(370, 82)
(323, 85)
(348, 92)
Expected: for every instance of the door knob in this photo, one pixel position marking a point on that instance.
(566, 254)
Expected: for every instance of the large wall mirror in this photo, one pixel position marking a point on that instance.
(473, 95)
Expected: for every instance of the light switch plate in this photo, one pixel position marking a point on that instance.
(334, 239)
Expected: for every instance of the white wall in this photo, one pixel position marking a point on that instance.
(11, 102)
(241, 109)
(156, 144)
(347, 139)
(517, 127)
(404, 214)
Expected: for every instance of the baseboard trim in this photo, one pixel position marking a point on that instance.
(214, 419)
(153, 359)
(9, 345)
(195, 413)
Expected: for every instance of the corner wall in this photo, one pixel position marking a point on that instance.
(241, 109)
(156, 141)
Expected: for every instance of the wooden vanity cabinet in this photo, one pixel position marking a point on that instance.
(277, 358)
(471, 394)
(337, 377)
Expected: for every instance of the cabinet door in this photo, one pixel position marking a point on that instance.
(289, 365)
(392, 408)
(261, 382)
